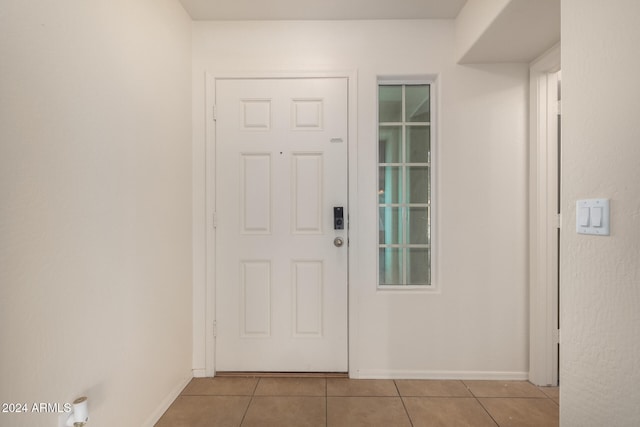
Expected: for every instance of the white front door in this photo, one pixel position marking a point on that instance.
(281, 169)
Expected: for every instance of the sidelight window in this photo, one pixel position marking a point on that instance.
(404, 184)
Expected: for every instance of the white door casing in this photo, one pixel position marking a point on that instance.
(544, 220)
(281, 168)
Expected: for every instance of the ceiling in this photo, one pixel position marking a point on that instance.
(500, 30)
(232, 10)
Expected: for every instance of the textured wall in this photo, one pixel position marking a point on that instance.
(600, 276)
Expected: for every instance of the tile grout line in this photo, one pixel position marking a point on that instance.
(541, 388)
(403, 404)
(326, 403)
(480, 403)
(250, 402)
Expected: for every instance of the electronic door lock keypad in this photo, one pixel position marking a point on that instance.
(338, 218)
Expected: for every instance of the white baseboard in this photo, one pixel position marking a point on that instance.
(166, 402)
(438, 375)
(200, 373)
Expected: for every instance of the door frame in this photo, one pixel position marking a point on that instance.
(543, 221)
(210, 198)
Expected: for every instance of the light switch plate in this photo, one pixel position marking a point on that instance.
(592, 217)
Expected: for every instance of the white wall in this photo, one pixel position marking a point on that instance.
(95, 211)
(600, 276)
(477, 326)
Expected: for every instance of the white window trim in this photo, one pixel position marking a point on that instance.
(432, 80)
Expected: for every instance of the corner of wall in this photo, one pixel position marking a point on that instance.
(472, 22)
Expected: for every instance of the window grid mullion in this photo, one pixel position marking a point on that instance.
(403, 199)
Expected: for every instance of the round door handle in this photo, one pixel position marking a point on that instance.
(338, 241)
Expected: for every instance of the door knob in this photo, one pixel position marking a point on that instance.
(338, 241)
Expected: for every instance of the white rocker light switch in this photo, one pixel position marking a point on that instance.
(592, 217)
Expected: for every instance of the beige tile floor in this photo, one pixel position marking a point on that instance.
(281, 402)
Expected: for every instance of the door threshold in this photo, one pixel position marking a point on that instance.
(242, 374)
